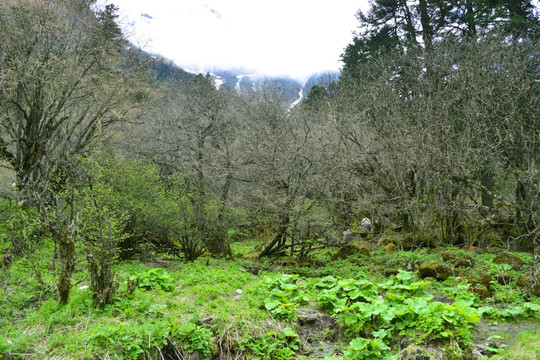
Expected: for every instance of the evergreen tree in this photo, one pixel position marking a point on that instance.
(400, 25)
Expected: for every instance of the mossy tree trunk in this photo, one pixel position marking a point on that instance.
(66, 250)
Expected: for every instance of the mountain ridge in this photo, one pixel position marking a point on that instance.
(241, 80)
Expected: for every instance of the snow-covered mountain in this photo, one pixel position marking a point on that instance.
(141, 20)
(244, 82)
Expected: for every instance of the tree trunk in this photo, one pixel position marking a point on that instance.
(66, 248)
(279, 241)
(487, 188)
(427, 28)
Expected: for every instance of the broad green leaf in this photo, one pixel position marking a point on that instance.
(350, 319)
(532, 306)
(378, 344)
(288, 332)
(392, 296)
(418, 305)
(271, 304)
(405, 275)
(359, 344)
(327, 282)
(388, 314)
(289, 287)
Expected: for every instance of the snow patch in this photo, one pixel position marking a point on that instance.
(237, 85)
(300, 97)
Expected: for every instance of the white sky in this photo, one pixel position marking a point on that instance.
(273, 37)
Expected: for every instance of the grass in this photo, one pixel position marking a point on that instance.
(217, 306)
(525, 346)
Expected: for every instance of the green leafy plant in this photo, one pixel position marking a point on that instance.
(127, 340)
(368, 349)
(400, 305)
(285, 296)
(194, 337)
(492, 346)
(155, 278)
(272, 345)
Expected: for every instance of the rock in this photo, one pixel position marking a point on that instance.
(510, 259)
(319, 332)
(529, 283)
(366, 224)
(503, 279)
(347, 235)
(438, 271)
(421, 352)
(486, 280)
(350, 249)
(448, 256)
(353, 234)
(483, 293)
(459, 260)
(391, 272)
(464, 261)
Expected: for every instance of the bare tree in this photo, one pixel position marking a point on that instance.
(65, 78)
(191, 134)
(432, 143)
(286, 167)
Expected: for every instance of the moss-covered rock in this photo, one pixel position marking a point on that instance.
(359, 232)
(250, 256)
(503, 279)
(459, 260)
(391, 272)
(529, 283)
(438, 271)
(353, 234)
(350, 249)
(485, 280)
(464, 261)
(407, 240)
(448, 256)
(482, 292)
(508, 258)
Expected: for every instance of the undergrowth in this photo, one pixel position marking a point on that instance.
(225, 309)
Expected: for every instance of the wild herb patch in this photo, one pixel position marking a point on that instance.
(155, 278)
(286, 295)
(272, 345)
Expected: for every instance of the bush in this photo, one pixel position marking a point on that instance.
(138, 192)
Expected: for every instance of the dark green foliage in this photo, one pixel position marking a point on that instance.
(108, 18)
(391, 27)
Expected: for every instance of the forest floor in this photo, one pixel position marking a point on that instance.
(422, 304)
